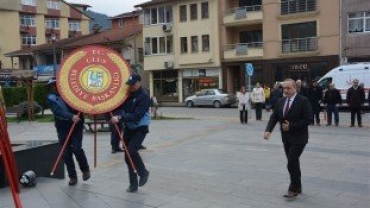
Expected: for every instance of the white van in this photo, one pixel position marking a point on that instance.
(342, 77)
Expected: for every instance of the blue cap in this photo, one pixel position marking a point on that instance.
(51, 81)
(133, 79)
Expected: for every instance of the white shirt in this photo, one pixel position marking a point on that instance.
(291, 100)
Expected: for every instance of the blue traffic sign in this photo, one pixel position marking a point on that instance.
(249, 69)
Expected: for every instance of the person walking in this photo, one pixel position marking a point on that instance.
(258, 98)
(331, 99)
(315, 94)
(294, 113)
(243, 105)
(64, 117)
(135, 116)
(267, 92)
(276, 94)
(356, 100)
(301, 88)
(154, 106)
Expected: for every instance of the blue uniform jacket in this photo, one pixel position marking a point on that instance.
(135, 110)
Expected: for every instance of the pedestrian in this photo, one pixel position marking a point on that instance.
(243, 105)
(356, 100)
(64, 117)
(294, 113)
(267, 92)
(276, 94)
(315, 96)
(258, 98)
(332, 98)
(135, 117)
(301, 88)
(361, 84)
(154, 106)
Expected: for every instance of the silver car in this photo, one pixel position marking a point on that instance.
(211, 97)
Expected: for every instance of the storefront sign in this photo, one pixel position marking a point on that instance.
(299, 66)
(92, 78)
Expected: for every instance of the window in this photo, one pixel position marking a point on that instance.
(184, 45)
(194, 44)
(52, 23)
(359, 22)
(169, 44)
(193, 11)
(296, 6)
(154, 45)
(121, 22)
(29, 2)
(74, 25)
(183, 13)
(27, 20)
(147, 17)
(154, 16)
(158, 45)
(300, 30)
(169, 14)
(53, 5)
(28, 40)
(161, 14)
(205, 42)
(205, 11)
(254, 36)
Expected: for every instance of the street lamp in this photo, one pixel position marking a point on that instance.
(54, 40)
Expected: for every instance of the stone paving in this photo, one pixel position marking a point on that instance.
(212, 161)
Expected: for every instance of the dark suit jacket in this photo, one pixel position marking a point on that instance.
(299, 117)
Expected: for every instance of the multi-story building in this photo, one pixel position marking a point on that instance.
(181, 47)
(356, 30)
(25, 23)
(281, 38)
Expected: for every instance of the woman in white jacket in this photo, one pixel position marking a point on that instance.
(258, 98)
(243, 105)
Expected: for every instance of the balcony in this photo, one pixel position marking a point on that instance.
(299, 45)
(244, 16)
(243, 51)
(289, 7)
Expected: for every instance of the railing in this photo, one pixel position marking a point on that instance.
(297, 6)
(299, 45)
(229, 47)
(254, 8)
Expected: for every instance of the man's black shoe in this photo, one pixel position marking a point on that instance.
(359, 125)
(117, 150)
(72, 181)
(290, 194)
(131, 189)
(142, 147)
(351, 125)
(144, 179)
(328, 124)
(86, 175)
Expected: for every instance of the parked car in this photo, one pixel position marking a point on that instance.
(211, 97)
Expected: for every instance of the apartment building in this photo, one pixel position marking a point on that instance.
(356, 30)
(181, 47)
(281, 38)
(25, 23)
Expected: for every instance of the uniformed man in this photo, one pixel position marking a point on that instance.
(65, 116)
(136, 118)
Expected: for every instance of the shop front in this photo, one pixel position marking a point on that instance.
(194, 80)
(165, 85)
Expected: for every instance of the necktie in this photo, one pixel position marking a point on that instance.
(286, 108)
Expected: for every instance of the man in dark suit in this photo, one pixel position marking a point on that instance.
(356, 100)
(315, 96)
(294, 113)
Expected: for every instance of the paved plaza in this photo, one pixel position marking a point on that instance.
(212, 161)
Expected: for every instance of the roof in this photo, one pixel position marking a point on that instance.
(80, 5)
(153, 2)
(126, 14)
(104, 37)
(74, 6)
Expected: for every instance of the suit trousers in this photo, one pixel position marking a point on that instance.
(74, 147)
(354, 111)
(133, 140)
(293, 152)
(244, 116)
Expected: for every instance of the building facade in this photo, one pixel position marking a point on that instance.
(356, 30)
(181, 47)
(25, 23)
(281, 38)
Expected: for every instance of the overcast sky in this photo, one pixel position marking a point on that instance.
(110, 7)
